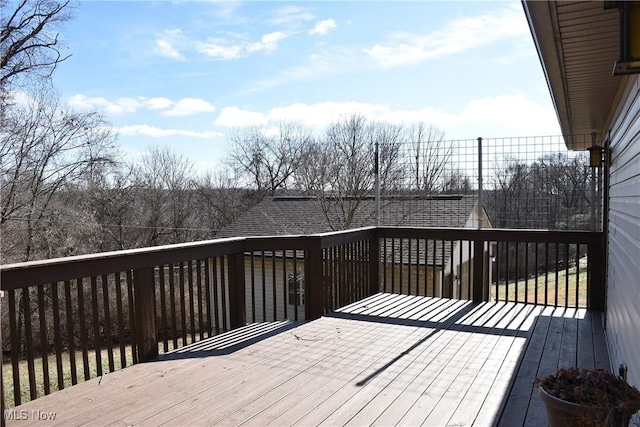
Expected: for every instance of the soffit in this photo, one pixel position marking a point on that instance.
(578, 46)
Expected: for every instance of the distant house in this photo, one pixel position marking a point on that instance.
(441, 265)
(296, 215)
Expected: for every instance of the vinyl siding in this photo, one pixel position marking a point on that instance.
(261, 296)
(623, 291)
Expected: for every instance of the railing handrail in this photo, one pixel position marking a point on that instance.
(342, 237)
(32, 273)
(491, 234)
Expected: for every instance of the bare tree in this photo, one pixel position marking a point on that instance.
(508, 199)
(45, 150)
(455, 181)
(29, 42)
(219, 201)
(165, 183)
(349, 154)
(350, 176)
(562, 183)
(339, 168)
(553, 193)
(111, 197)
(432, 156)
(269, 159)
(311, 175)
(389, 139)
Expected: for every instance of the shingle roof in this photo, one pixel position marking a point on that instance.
(277, 216)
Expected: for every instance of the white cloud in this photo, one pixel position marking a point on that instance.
(291, 15)
(152, 131)
(333, 61)
(511, 114)
(324, 113)
(324, 27)
(428, 115)
(166, 49)
(226, 8)
(158, 103)
(166, 44)
(317, 115)
(457, 36)
(236, 117)
(119, 106)
(189, 106)
(268, 43)
(218, 48)
(184, 107)
(225, 49)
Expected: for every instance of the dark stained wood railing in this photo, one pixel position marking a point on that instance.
(559, 268)
(349, 272)
(68, 320)
(76, 318)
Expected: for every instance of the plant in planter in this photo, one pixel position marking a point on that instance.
(588, 397)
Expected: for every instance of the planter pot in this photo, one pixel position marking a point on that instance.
(561, 413)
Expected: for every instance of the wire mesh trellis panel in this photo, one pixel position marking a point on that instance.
(527, 182)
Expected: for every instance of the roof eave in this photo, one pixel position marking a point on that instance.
(543, 25)
(580, 81)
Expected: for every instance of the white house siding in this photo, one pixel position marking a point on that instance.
(460, 274)
(263, 290)
(623, 291)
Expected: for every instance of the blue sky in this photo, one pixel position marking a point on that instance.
(184, 74)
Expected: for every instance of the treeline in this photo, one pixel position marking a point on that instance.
(553, 193)
(66, 188)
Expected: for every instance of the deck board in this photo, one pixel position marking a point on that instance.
(386, 360)
(601, 354)
(387, 395)
(586, 355)
(561, 338)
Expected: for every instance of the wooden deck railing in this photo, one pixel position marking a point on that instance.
(68, 320)
(559, 268)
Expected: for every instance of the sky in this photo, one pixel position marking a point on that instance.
(185, 74)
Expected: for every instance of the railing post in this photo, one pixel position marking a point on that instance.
(313, 280)
(486, 276)
(596, 279)
(374, 263)
(478, 270)
(237, 307)
(2, 420)
(145, 316)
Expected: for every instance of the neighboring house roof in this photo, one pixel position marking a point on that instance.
(277, 216)
(578, 47)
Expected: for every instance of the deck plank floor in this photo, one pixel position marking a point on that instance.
(387, 360)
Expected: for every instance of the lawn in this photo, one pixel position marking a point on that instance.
(7, 372)
(570, 291)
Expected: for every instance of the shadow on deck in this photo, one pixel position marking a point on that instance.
(386, 360)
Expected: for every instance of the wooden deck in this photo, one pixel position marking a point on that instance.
(386, 360)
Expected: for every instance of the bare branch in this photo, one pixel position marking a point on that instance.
(28, 40)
